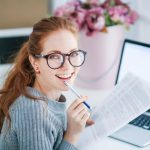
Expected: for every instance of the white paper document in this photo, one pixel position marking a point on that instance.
(129, 99)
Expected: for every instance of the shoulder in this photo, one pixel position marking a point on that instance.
(23, 104)
(31, 114)
(26, 109)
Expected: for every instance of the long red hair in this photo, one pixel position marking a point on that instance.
(22, 74)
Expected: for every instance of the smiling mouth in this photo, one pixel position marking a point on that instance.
(65, 76)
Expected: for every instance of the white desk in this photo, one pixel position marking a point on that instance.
(95, 97)
(112, 144)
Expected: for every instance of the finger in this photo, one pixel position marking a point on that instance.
(79, 109)
(90, 122)
(77, 102)
(84, 97)
(85, 117)
(81, 114)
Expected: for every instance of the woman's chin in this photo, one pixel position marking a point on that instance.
(65, 88)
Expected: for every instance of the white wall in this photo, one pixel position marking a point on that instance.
(144, 23)
(140, 30)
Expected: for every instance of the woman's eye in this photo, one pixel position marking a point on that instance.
(74, 54)
(54, 56)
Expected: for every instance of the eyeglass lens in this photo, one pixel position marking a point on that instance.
(56, 60)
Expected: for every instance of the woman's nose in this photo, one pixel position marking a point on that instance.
(66, 64)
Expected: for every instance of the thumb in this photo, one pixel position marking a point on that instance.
(84, 98)
(90, 122)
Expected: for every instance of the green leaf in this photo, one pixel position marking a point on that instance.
(112, 3)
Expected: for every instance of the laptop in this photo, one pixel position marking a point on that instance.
(135, 58)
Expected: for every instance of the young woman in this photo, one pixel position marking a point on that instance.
(32, 108)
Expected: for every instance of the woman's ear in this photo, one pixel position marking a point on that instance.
(34, 64)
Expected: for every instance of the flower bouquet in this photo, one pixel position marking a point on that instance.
(94, 16)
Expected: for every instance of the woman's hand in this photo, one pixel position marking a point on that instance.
(78, 116)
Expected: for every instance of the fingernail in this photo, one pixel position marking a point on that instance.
(84, 97)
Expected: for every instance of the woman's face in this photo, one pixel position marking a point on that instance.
(61, 41)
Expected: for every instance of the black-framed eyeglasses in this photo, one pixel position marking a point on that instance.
(56, 60)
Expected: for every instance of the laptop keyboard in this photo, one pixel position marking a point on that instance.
(142, 121)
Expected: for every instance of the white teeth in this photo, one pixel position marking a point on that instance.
(64, 75)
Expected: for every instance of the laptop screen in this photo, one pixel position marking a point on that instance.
(11, 41)
(135, 58)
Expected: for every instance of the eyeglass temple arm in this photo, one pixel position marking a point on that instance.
(39, 55)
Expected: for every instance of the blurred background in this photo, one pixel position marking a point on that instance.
(19, 13)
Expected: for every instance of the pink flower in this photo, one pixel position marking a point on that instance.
(120, 10)
(93, 16)
(123, 15)
(67, 9)
(131, 18)
(81, 13)
(118, 13)
(94, 1)
(95, 20)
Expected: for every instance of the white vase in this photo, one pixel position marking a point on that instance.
(103, 53)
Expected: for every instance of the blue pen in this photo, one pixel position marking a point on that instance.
(77, 94)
